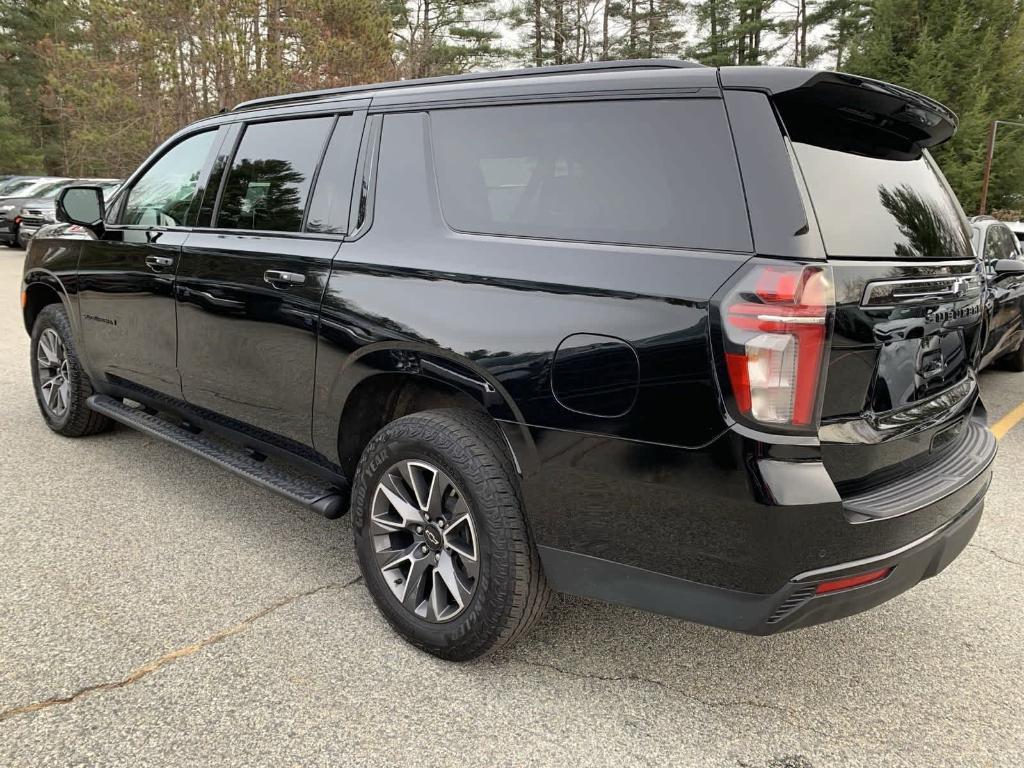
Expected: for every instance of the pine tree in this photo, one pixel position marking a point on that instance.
(714, 21)
(439, 37)
(734, 32)
(844, 21)
(967, 55)
(17, 152)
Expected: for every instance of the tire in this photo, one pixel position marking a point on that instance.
(65, 410)
(12, 243)
(22, 242)
(509, 592)
(1015, 360)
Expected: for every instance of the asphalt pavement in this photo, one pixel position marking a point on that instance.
(156, 610)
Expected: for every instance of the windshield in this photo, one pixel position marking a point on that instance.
(877, 207)
(14, 186)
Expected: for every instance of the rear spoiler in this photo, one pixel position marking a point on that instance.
(854, 114)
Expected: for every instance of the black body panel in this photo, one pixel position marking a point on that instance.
(793, 606)
(738, 519)
(247, 347)
(126, 300)
(888, 360)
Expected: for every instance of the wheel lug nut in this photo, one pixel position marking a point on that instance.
(436, 558)
(424, 549)
(419, 529)
(440, 522)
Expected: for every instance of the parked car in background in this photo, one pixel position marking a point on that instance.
(700, 341)
(39, 211)
(1003, 258)
(10, 206)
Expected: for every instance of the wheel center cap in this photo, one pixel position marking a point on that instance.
(433, 538)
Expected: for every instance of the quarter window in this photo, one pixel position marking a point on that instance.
(660, 172)
(162, 195)
(271, 175)
(328, 210)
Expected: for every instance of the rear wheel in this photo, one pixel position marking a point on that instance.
(440, 534)
(61, 386)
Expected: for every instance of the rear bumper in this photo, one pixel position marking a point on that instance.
(738, 534)
(795, 605)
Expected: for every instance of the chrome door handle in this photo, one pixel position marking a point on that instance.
(280, 279)
(159, 262)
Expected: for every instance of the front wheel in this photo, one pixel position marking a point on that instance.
(61, 385)
(441, 537)
(1015, 360)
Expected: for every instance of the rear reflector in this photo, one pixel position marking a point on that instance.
(852, 581)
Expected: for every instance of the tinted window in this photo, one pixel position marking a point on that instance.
(884, 208)
(643, 172)
(995, 245)
(271, 174)
(162, 195)
(991, 244)
(1011, 246)
(328, 210)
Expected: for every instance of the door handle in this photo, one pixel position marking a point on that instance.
(280, 279)
(159, 262)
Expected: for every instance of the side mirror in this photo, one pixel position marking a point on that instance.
(1005, 267)
(82, 206)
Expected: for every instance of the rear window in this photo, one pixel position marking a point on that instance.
(657, 173)
(877, 207)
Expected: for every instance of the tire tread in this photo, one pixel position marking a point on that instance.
(82, 420)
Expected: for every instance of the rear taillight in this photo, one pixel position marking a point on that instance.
(776, 322)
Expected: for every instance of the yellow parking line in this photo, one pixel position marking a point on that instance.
(1008, 422)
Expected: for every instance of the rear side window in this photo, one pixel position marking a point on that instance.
(882, 207)
(657, 173)
(271, 175)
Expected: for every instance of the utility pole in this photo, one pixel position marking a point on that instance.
(989, 152)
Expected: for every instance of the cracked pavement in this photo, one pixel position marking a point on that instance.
(155, 610)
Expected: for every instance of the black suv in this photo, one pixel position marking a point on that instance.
(700, 341)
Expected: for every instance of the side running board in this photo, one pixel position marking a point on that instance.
(318, 496)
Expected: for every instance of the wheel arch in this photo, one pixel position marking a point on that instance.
(41, 289)
(381, 383)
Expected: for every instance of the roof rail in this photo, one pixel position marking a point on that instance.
(561, 69)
